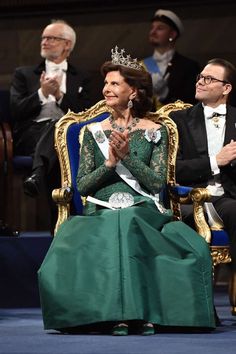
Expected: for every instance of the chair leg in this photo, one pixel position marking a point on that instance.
(232, 292)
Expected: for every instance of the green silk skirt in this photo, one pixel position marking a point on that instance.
(127, 264)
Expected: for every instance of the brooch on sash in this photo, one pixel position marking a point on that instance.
(99, 136)
(153, 135)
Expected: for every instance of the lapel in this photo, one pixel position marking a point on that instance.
(71, 78)
(173, 65)
(40, 68)
(197, 127)
(230, 131)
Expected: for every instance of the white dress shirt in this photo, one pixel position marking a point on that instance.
(215, 129)
(159, 79)
(163, 60)
(50, 107)
(53, 69)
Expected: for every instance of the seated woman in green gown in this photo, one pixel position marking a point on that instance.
(125, 262)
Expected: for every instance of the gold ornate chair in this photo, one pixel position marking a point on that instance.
(67, 146)
(69, 201)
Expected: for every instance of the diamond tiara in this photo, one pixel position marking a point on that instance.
(118, 58)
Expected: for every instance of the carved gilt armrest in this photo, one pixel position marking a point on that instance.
(62, 197)
(197, 197)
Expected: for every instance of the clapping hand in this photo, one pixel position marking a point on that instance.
(118, 147)
(227, 154)
(50, 85)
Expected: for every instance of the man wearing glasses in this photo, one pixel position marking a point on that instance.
(45, 92)
(40, 95)
(207, 145)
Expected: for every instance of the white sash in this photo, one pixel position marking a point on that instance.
(121, 170)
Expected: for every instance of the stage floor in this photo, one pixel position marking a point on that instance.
(21, 331)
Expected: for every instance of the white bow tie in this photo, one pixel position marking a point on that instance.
(55, 67)
(209, 111)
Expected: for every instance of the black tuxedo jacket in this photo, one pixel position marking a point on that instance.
(182, 77)
(25, 103)
(193, 163)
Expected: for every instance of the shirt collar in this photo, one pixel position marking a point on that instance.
(165, 57)
(210, 111)
(51, 66)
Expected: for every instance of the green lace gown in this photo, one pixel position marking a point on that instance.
(126, 264)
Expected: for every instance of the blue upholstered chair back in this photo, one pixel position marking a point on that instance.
(219, 238)
(73, 147)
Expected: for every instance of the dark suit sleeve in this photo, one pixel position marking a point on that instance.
(25, 103)
(192, 166)
(85, 95)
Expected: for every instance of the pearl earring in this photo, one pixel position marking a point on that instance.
(170, 39)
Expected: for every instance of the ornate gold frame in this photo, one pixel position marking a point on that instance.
(63, 195)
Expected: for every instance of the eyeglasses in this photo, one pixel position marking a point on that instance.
(52, 39)
(209, 79)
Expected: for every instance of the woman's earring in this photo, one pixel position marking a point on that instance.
(130, 104)
(170, 39)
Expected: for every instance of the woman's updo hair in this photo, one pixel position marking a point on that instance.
(141, 80)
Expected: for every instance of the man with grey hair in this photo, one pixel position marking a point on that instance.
(42, 94)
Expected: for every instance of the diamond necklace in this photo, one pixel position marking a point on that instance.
(115, 126)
